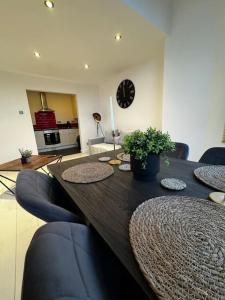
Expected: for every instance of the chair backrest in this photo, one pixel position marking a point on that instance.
(35, 185)
(43, 197)
(181, 151)
(214, 156)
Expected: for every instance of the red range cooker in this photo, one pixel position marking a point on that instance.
(46, 121)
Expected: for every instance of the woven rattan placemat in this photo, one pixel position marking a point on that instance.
(88, 172)
(179, 244)
(213, 176)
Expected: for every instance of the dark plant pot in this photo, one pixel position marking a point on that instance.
(25, 160)
(149, 172)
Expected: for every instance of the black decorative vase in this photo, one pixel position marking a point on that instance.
(150, 171)
(26, 160)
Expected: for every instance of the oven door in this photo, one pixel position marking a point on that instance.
(51, 137)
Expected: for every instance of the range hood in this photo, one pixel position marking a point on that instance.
(44, 103)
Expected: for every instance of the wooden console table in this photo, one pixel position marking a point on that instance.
(38, 162)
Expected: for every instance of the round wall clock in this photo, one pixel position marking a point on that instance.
(125, 93)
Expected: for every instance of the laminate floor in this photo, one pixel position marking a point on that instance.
(16, 230)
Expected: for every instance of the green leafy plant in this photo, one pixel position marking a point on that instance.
(25, 152)
(141, 144)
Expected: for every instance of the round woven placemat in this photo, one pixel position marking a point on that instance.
(124, 157)
(179, 243)
(213, 176)
(88, 172)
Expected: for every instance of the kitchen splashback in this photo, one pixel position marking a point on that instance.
(45, 120)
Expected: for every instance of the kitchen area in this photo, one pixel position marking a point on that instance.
(55, 122)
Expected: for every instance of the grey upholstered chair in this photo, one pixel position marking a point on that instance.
(42, 196)
(181, 151)
(214, 156)
(68, 261)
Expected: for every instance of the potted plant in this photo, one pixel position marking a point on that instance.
(145, 149)
(26, 155)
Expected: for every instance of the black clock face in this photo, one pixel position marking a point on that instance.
(125, 93)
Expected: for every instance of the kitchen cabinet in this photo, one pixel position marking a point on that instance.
(68, 138)
(39, 136)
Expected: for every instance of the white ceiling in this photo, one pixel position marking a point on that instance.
(75, 32)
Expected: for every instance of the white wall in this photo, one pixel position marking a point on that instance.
(158, 12)
(194, 89)
(16, 130)
(146, 109)
(217, 104)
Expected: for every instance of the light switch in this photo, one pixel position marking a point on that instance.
(21, 112)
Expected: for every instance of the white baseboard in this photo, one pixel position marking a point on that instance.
(55, 148)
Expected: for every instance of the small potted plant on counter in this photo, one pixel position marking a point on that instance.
(26, 155)
(145, 149)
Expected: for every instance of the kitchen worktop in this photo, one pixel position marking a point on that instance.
(54, 129)
(59, 128)
(57, 125)
(45, 129)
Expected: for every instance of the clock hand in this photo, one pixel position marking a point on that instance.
(124, 92)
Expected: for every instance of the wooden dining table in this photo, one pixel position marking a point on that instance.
(109, 204)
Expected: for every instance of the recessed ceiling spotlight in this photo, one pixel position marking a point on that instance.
(118, 37)
(49, 4)
(86, 66)
(37, 54)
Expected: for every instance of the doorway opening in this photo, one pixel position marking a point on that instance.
(55, 122)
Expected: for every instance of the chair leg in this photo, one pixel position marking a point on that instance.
(10, 190)
(45, 171)
(59, 159)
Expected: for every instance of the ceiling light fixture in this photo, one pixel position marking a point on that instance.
(49, 4)
(86, 66)
(37, 54)
(118, 37)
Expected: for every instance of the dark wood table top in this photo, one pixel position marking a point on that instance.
(109, 204)
(38, 161)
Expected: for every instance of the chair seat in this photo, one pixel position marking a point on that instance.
(68, 261)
